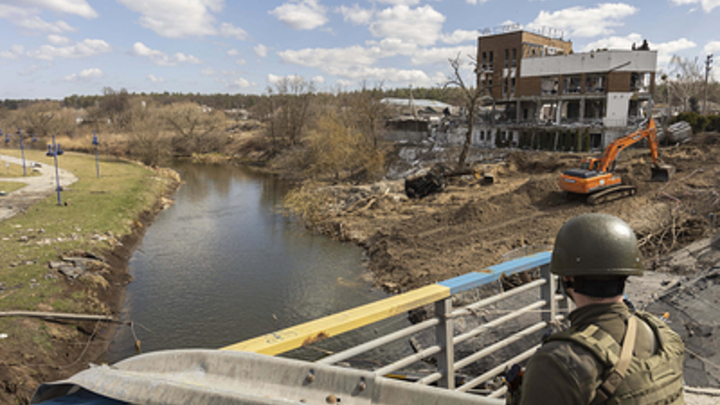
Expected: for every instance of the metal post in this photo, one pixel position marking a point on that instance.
(547, 293)
(97, 162)
(444, 339)
(55, 150)
(22, 151)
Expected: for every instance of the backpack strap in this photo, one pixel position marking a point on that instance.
(617, 374)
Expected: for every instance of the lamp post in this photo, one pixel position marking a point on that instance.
(55, 150)
(97, 162)
(22, 146)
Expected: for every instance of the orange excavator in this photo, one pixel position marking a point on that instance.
(595, 178)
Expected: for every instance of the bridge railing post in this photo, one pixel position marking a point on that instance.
(547, 293)
(444, 338)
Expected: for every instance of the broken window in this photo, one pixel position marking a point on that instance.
(482, 135)
(484, 61)
(514, 57)
(571, 84)
(490, 60)
(640, 82)
(549, 85)
(512, 85)
(595, 84)
(507, 58)
(505, 87)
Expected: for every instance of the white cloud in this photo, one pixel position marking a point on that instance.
(707, 5)
(82, 49)
(260, 50)
(459, 36)
(419, 25)
(240, 61)
(77, 7)
(274, 79)
(665, 49)
(473, 2)
(318, 79)
(301, 15)
(232, 52)
(356, 14)
(238, 83)
(28, 18)
(155, 79)
(58, 39)
(161, 58)
(85, 75)
(30, 70)
(712, 47)
(230, 31)
(441, 55)
(180, 19)
(399, 2)
(581, 21)
(207, 72)
(330, 59)
(15, 52)
(390, 47)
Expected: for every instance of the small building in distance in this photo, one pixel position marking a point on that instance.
(553, 98)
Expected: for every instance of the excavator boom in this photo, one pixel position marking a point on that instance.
(598, 175)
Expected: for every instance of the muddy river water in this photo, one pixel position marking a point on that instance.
(223, 265)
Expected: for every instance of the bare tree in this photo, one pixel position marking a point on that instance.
(195, 128)
(370, 112)
(686, 79)
(471, 97)
(294, 95)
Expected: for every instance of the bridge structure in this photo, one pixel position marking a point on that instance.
(255, 372)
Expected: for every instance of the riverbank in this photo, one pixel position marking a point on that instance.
(471, 225)
(103, 219)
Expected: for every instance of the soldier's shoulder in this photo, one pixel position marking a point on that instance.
(579, 362)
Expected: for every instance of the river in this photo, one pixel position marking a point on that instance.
(223, 265)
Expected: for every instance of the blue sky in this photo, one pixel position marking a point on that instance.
(55, 48)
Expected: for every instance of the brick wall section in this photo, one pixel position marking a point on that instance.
(618, 81)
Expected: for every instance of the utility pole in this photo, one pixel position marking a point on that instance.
(708, 68)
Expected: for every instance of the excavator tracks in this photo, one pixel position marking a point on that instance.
(611, 194)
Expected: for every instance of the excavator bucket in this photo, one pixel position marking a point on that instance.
(662, 173)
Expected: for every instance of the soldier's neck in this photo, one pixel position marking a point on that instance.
(582, 300)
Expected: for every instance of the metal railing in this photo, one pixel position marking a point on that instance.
(551, 306)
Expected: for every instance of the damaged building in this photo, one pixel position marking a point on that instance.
(545, 96)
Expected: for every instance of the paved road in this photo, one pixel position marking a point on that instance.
(38, 187)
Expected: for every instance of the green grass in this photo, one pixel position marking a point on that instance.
(8, 169)
(105, 206)
(10, 186)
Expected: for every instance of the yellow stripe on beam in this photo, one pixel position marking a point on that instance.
(323, 328)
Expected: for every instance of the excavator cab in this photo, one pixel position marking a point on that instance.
(590, 163)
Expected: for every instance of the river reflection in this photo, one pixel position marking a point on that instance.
(221, 265)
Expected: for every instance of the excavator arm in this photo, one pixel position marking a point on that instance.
(613, 150)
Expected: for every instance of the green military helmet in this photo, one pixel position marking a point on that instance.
(596, 245)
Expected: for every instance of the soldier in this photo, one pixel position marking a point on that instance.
(610, 354)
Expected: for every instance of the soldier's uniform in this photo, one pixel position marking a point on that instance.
(585, 364)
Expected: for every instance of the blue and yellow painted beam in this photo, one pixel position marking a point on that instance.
(333, 325)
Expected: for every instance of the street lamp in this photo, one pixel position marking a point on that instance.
(97, 162)
(55, 150)
(22, 146)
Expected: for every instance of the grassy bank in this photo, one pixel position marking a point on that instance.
(10, 186)
(99, 216)
(12, 169)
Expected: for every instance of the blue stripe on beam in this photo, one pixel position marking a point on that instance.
(479, 278)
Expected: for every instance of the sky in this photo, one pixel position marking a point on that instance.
(56, 48)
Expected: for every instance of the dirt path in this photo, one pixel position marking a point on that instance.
(38, 187)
